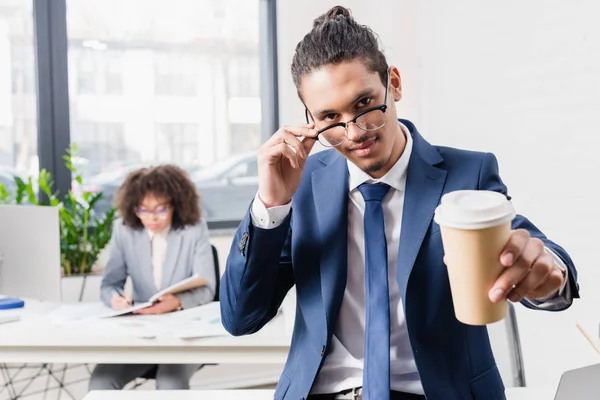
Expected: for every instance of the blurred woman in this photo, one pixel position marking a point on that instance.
(160, 240)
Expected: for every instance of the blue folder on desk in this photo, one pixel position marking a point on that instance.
(10, 302)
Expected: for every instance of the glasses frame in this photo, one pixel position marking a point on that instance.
(382, 107)
(148, 214)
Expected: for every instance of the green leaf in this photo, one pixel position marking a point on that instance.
(21, 190)
(4, 195)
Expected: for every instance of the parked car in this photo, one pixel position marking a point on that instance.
(108, 183)
(227, 187)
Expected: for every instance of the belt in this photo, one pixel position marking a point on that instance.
(350, 394)
(356, 394)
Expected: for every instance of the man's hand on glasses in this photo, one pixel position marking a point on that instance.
(281, 162)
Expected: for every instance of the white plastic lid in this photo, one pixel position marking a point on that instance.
(474, 209)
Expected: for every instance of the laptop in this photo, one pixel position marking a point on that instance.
(580, 384)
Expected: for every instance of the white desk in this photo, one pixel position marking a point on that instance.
(36, 339)
(531, 393)
(511, 394)
(182, 395)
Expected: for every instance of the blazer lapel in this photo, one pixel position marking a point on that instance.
(330, 191)
(174, 239)
(424, 186)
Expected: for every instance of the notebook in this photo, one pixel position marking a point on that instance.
(192, 282)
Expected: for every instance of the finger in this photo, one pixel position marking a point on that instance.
(161, 308)
(515, 246)
(519, 268)
(282, 149)
(147, 311)
(308, 143)
(306, 130)
(538, 274)
(509, 278)
(551, 285)
(129, 299)
(294, 143)
(120, 301)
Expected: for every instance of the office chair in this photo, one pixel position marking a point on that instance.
(506, 345)
(151, 374)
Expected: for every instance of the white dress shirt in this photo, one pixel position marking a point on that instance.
(159, 254)
(343, 366)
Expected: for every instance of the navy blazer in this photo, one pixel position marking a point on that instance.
(309, 249)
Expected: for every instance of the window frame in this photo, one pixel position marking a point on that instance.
(51, 59)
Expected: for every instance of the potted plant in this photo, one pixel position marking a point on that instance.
(83, 234)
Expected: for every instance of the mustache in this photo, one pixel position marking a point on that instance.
(364, 138)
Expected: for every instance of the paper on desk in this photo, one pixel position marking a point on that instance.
(77, 312)
(203, 321)
(195, 322)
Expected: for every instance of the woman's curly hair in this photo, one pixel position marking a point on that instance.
(167, 181)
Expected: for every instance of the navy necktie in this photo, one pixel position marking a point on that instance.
(376, 373)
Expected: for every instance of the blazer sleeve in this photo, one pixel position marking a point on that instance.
(204, 266)
(489, 179)
(115, 272)
(257, 276)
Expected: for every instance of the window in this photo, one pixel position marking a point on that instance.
(100, 145)
(174, 74)
(97, 72)
(18, 106)
(246, 169)
(177, 142)
(171, 82)
(242, 72)
(23, 72)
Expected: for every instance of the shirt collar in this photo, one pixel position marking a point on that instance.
(162, 233)
(395, 177)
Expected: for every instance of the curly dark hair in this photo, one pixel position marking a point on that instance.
(335, 38)
(167, 181)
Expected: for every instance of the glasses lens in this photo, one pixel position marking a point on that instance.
(333, 137)
(372, 120)
(147, 214)
(143, 214)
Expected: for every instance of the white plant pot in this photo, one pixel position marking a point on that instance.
(71, 287)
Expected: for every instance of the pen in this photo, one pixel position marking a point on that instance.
(122, 294)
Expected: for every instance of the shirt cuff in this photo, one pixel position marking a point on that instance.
(268, 218)
(559, 262)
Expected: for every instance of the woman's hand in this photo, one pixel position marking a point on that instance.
(118, 302)
(166, 303)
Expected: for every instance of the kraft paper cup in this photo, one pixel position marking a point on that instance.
(475, 227)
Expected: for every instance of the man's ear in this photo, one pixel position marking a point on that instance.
(395, 83)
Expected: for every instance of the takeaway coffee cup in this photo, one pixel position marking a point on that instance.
(475, 227)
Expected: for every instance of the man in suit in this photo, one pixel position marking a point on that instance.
(374, 318)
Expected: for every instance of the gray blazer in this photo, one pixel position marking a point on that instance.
(188, 252)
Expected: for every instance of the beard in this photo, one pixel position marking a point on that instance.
(374, 166)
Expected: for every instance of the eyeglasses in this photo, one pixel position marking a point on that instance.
(367, 120)
(160, 212)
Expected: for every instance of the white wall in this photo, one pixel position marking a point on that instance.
(520, 79)
(395, 21)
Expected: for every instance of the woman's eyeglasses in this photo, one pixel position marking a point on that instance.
(160, 212)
